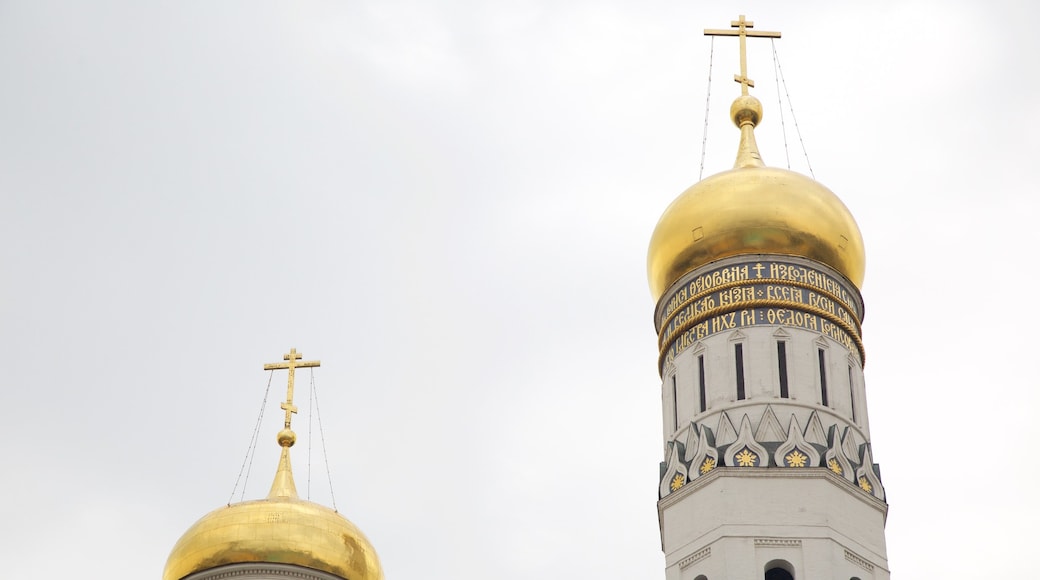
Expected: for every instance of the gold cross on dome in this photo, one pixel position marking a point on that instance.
(294, 363)
(742, 31)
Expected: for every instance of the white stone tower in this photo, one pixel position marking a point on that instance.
(768, 471)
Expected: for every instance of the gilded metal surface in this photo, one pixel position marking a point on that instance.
(834, 466)
(742, 31)
(292, 365)
(754, 210)
(280, 529)
(796, 459)
(746, 458)
(283, 530)
(708, 465)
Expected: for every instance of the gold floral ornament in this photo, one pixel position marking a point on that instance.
(834, 466)
(796, 459)
(708, 465)
(865, 485)
(678, 481)
(746, 458)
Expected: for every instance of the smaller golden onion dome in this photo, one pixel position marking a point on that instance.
(753, 209)
(278, 530)
(281, 529)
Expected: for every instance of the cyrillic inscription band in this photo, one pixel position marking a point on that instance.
(778, 270)
(754, 295)
(772, 292)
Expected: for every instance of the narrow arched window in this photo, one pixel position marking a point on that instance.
(675, 403)
(781, 360)
(823, 377)
(700, 383)
(852, 394)
(738, 352)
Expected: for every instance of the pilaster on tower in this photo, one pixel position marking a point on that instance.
(767, 471)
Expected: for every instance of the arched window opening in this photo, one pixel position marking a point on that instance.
(738, 351)
(781, 358)
(778, 574)
(852, 394)
(823, 377)
(779, 570)
(700, 384)
(675, 404)
(701, 577)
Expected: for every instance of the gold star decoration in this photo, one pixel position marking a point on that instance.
(708, 465)
(796, 459)
(865, 485)
(678, 481)
(834, 466)
(746, 458)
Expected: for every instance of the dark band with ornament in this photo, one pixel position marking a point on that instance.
(761, 292)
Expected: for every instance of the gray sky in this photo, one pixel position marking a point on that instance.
(449, 204)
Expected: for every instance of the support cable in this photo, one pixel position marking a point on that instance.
(252, 446)
(324, 451)
(707, 103)
(310, 424)
(780, 104)
(793, 117)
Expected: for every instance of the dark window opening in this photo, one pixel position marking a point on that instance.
(700, 380)
(675, 404)
(781, 356)
(823, 378)
(852, 394)
(778, 574)
(739, 351)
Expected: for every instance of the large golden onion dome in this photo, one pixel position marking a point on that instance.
(753, 209)
(281, 529)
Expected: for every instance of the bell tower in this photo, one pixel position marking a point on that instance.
(768, 470)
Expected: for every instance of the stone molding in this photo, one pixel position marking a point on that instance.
(696, 443)
(695, 557)
(745, 472)
(261, 571)
(777, 543)
(862, 563)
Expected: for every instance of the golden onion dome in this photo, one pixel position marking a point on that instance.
(753, 209)
(282, 529)
(279, 530)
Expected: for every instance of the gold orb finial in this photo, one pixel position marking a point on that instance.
(746, 110)
(286, 438)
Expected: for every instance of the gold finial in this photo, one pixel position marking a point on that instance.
(746, 111)
(294, 363)
(283, 485)
(742, 31)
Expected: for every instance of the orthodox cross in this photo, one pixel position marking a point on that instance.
(294, 363)
(742, 31)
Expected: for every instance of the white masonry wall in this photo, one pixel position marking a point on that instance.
(733, 522)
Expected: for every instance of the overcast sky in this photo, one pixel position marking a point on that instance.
(449, 204)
